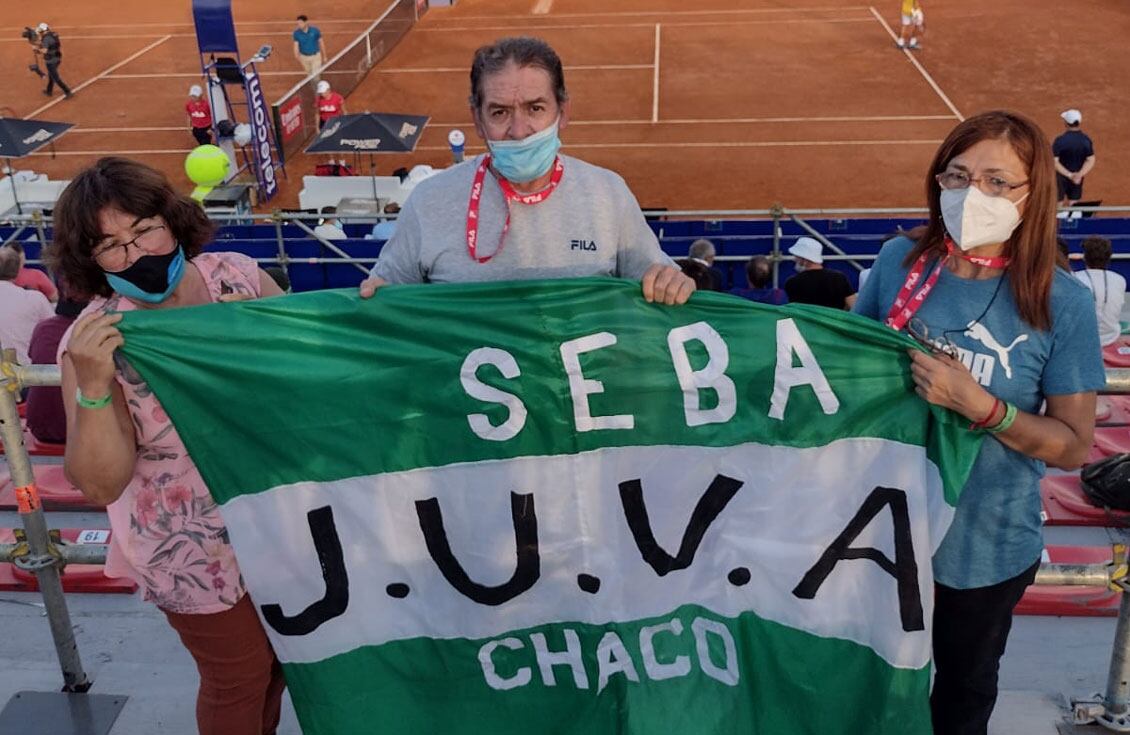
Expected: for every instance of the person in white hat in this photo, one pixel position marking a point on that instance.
(1074, 158)
(330, 103)
(199, 115)
(52, 49)
(813, 284)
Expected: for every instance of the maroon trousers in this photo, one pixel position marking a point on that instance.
(241, 681)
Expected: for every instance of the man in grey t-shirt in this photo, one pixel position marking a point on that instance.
(523, 211)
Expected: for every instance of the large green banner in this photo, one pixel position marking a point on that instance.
(551, 507)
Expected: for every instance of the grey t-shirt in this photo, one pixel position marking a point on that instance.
(590, 226)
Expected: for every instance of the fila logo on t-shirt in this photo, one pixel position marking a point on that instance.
(582, 244)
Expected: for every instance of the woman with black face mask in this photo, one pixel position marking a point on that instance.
(126, 240)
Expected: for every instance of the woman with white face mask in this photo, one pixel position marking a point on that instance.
(1004, 330)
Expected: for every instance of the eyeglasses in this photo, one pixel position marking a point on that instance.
(115, 255)
(918, 330)
(994, 186)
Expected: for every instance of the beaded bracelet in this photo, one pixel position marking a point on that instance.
(1010, 413)
(85, 402)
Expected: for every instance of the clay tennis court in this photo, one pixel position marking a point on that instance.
(718, 104)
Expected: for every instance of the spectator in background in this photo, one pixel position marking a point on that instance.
(698, 272)
(199, 115)
(309, 46)
(386, 228)
(1064, 250)
(813, 284)
(759, 273)
(330, 228)
(33, 278)
(46, 418)
(1074, 158)
(702, 251)
(1108, 289)
(20, 309)
(533, 213)
(330, 104)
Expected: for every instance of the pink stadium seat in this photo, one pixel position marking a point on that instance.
(1109, 440)
(55, 492)
(1112, 411)
(1065, 504)
(1118, 354)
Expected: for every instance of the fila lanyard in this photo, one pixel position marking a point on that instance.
(906, 306)
(510, 196)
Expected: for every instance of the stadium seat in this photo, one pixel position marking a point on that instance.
(1109, 440)
(55, 492)
(1117, 355)
(1065, 504)
(1112, 411)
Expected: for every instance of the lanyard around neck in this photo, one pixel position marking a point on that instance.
(511, 196)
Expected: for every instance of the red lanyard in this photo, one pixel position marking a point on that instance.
(510, 196)
(906, 306)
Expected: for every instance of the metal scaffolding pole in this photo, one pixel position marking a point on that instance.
(41, 555)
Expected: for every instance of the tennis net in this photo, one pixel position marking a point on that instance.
(296, 112)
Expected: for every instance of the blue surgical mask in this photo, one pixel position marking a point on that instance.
(151, 278)
(519, 161)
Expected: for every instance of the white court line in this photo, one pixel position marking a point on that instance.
(541, 7)
(664, 13)
(158, 152)
(721, 144)
(175, 24)
(582, 26)
(73, 131)
(197, 75)
(739, 120)
(655, 80)
(92, 80)
(463, 69)
(919, 67)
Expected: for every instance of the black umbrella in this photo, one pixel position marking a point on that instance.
(370, 132)
(19, 137)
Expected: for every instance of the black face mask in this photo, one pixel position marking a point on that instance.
(150, 273)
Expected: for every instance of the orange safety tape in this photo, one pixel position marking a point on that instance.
(27, 498)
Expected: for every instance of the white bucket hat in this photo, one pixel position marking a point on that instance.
(1072, 116)
(809, 249)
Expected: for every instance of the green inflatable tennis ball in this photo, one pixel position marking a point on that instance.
(207, 165)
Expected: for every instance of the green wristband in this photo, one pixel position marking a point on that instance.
(1010, 412)
(85, 402)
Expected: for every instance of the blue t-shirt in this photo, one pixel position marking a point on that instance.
(996, 533)
(307, 40)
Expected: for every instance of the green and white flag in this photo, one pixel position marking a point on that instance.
(550, 507)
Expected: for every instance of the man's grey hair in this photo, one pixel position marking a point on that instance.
(702, 249)
(9, 264)
(522, 51)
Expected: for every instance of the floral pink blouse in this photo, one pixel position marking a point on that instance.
(167, 530)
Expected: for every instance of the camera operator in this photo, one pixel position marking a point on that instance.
(47, 41)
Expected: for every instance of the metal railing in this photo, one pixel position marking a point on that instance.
(778, 215)
(39, 551)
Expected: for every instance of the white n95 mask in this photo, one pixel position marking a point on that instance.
(973, 218)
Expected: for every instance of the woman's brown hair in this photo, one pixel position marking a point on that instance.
(1032, 246)
(132, 187)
